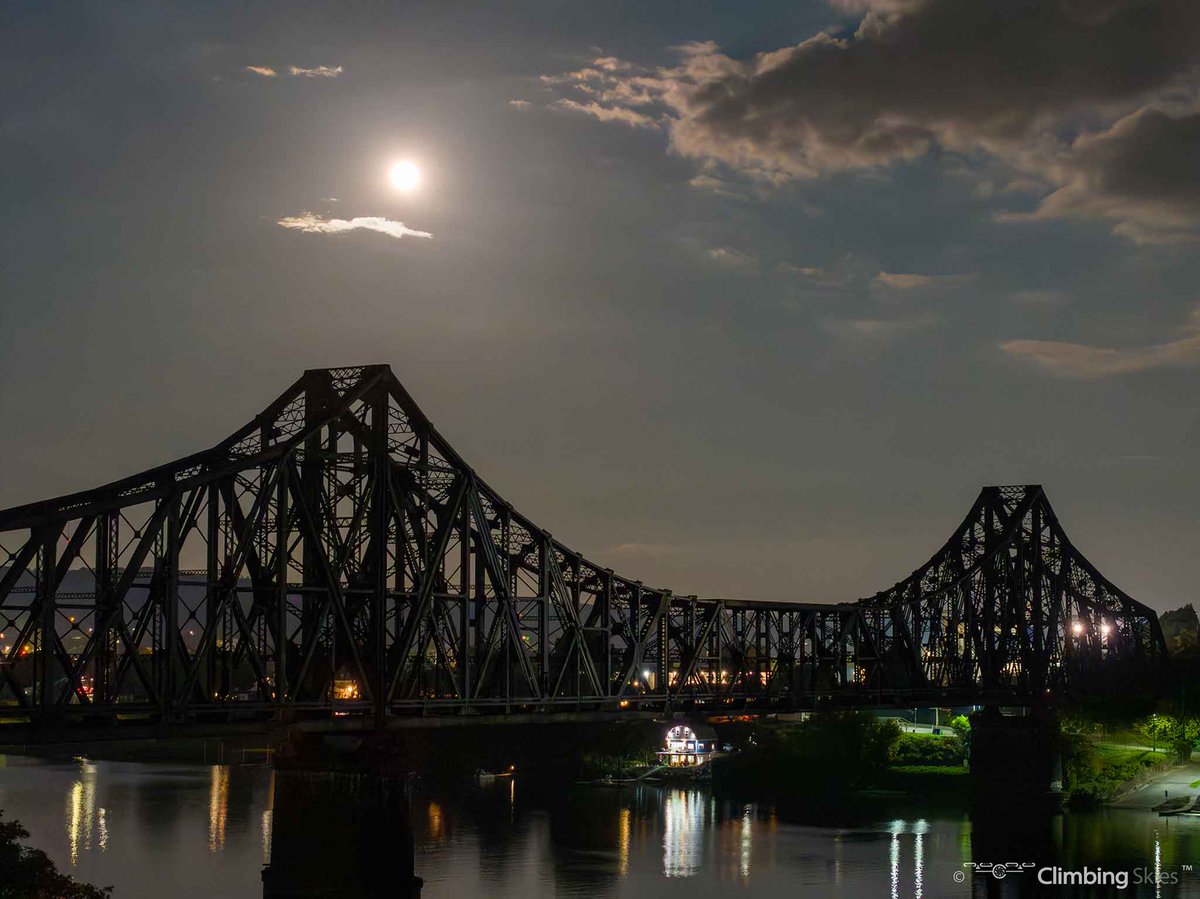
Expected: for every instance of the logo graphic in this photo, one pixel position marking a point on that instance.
(999, 870)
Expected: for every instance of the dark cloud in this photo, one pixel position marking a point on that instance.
(1035, 84)
(1144, 170)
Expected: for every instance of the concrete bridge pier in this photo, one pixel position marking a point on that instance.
(1015, 758)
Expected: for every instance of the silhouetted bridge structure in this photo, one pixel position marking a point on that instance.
(337, 556)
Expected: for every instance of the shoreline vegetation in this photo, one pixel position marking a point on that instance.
(859, 755)
(28, 873)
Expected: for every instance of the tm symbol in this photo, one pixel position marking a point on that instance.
(1187, 867)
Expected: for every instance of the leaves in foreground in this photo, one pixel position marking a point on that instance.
(27, 873)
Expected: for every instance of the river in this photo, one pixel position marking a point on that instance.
(192, 831)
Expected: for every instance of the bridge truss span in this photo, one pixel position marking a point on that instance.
(336, 555)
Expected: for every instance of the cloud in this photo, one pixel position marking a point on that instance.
(728, 257)
(316, 71)
(1093, 103)
(1077, 360)
(880, 329)
(519, 104)
(718, 186)
(630, 117)
(1039, 296)
(311, 223)
(264, 71)
(911, 281)
(1143, 170)
(645, 549)
(878, 6)
(807, 271)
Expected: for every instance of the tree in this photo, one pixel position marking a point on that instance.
(27, 873)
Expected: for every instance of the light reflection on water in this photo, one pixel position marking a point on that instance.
(82, 815)
(683, 832)
(218, 806)
(192, 831)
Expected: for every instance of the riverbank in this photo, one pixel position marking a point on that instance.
(1173, 782)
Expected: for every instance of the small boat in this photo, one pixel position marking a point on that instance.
(488, 776)
(609, 781)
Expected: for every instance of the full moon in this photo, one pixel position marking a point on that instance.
(405, 176)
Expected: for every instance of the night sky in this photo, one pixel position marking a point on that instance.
(741, 300)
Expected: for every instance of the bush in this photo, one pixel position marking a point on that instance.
(916, 749)
(1093, 773)
(849, 750)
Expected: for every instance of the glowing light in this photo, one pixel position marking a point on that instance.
(1104, 629)
(405, 176)
(1077, 628)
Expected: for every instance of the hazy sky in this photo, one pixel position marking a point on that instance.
(739, 300)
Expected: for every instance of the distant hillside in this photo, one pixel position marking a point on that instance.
(1181, 630)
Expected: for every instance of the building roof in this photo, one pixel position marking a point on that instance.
(702, 731)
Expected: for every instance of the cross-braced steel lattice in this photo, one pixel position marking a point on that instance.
(336, 554)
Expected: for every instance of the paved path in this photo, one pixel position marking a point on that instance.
(1175, 781)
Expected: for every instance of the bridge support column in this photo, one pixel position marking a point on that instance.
(1014, 758)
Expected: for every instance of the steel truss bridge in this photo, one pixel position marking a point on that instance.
(337, 556)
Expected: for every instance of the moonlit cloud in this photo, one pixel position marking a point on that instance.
(630, 117)
(316, 71)
(519, 104)
(913, 281)
(1081, 101)
(717, 186)
(264, 71)
(1077, 360)
(728, 257)
(1039, 296)
(311, 223)
(881, 329)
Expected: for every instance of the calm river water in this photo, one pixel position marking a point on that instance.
(183, 831)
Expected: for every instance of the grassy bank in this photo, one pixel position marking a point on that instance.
(1095, 772)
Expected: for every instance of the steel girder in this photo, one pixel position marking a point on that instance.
(337, 555)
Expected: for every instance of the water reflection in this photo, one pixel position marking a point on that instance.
(82, 814)
(919, 858)
(218, 807)
(268, 820)
(894, 857)
(623, 837)
(340, 835)
(747, 843)
(199, 831)
(683, 832)
(1158, 878)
